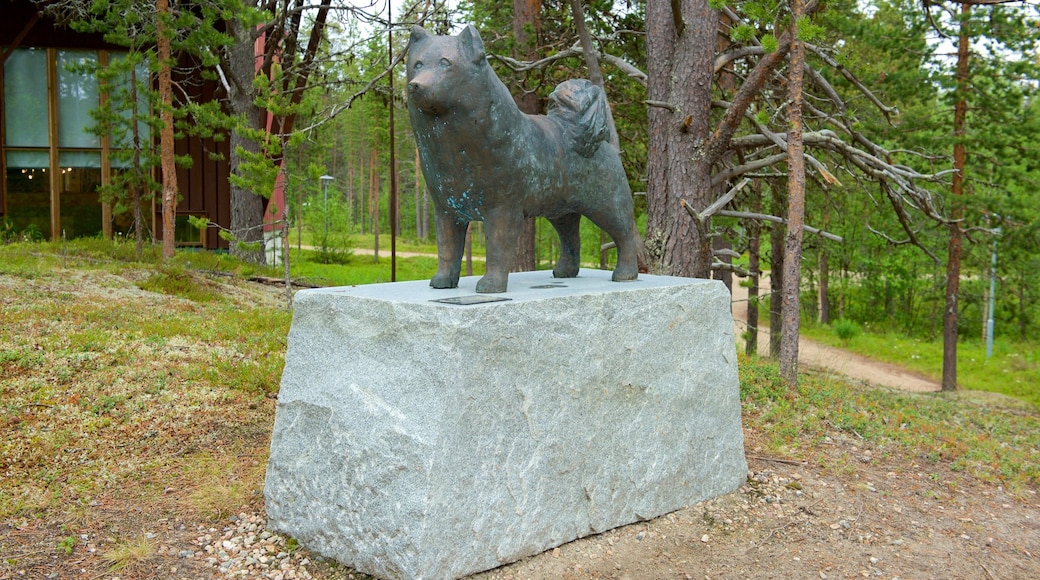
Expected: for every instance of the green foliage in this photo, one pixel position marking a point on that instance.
(9, 234)
(846, 330)
(769, 43)
(743, 33)
(67, 544)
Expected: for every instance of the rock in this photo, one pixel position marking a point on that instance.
(416, 439)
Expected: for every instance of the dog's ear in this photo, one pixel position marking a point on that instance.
(469, 38)
(418, 34)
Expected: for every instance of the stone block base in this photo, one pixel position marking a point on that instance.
(423, 439)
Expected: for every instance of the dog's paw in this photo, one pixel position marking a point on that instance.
(625, 274)
(444, 281)
(489, 285)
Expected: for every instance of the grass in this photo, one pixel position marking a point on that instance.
(118, 378)
(129, 553)
(120, 404)
(368, 241)
(996, 445)
(1014, 369)
(364, 269)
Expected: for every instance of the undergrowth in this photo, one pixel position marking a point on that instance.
(993, 444)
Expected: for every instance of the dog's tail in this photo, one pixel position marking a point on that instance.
(581, 107)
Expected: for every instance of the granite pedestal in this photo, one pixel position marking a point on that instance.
(418, 438)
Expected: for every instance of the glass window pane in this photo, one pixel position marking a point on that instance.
(80, 200)
(77, 96)
(25, 98)
(69, 159)
(121, 96)
(28, 159)
(28, 195)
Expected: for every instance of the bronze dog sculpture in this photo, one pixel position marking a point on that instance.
(485, 160)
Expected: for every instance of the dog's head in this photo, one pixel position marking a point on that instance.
(441, 68)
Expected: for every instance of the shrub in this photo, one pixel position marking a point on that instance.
(846, 329)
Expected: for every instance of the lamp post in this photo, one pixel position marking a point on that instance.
(325, 179)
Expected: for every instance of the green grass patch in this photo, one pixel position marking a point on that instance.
(1014, 369)
(176, 281)
(364, 269)
(996, 445)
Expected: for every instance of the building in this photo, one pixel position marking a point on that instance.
(52, 165)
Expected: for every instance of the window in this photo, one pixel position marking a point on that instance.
(27, 190)
(54, 163)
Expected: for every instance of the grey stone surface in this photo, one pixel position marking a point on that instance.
(418, 439)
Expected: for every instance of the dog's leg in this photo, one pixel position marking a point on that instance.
(503, 227)
(618, 224)
(451, 241)
(569, 229)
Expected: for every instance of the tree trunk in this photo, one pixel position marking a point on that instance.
(953, 263)
(825, 276)
(136, 188)
(825, 297)
(795, 207)
(166, 136)
(526, 19)
(680, 57)
(419, 233)
(373, 201)
(754, 230)
(247, 208)
(776, 278)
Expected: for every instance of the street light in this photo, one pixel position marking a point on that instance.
(325, 179)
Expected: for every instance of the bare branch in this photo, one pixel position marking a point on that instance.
(719, 203)
(731, 172)
(624, 66)
(661, 104)
(852, 79)
(724, 267)
(779, 220)
(724, 59)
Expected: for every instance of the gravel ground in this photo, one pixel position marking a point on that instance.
(244, 549)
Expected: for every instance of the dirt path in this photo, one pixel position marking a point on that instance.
(832, 359)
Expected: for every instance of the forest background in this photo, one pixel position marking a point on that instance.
(908, 150)
(894, 67)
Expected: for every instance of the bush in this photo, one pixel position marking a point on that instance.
(846, 329)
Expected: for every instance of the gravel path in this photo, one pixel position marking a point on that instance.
(832, 359)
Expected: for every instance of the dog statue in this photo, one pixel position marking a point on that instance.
(485, 160)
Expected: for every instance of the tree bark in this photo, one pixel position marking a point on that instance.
(373, 202)
(526, 20)
(247, 208)
(754, 230)
(679, 70)
(776, 277)
(825, 297)
(795, 206)
(953, 263)
(825, 276)
(166, 136)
